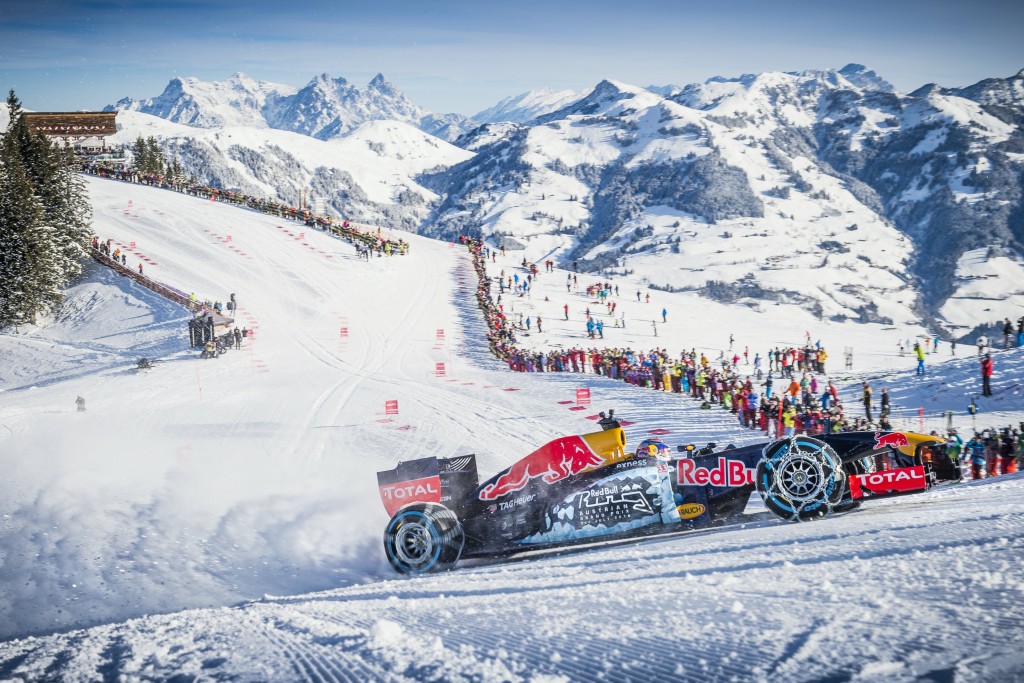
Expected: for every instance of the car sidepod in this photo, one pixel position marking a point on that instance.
(622, 499)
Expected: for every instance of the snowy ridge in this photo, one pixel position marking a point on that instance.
(237, 101)
(324, 108)
(528, 105)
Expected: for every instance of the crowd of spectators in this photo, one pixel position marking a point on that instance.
(990, 452)
(367, 241)
(803, 405)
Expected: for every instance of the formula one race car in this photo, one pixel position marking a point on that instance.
(588, 487)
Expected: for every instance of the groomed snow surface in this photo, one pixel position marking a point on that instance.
(214, 486)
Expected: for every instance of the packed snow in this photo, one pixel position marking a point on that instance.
(219, 519)
(989, 287)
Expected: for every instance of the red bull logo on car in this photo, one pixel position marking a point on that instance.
(552, 462)
(730, 473)
(891, 440)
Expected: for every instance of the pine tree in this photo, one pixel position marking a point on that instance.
(147, 158)
(44, 220)
(21, 217)
(155, 156)
(139, 155)
(66, 203)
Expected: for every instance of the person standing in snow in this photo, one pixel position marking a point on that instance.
(238, 338)
(866, 400)
(566, 309)
(885, 402)
(986, 375)
(919, 354)
(975, 449)
(1007, 457)
(538, 324)
(80, 403)
(789, 421)
(664, 315)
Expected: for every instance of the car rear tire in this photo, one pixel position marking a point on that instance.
(423, 537)
(800, 478)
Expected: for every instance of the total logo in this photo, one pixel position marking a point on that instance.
(907, 474)
(901, 480)
(417, 489)
(728, 473)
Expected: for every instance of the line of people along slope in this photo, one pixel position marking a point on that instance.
(366, 241)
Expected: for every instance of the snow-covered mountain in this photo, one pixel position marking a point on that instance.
(826, 187)
(325, 108)
(625, 179)
(367, 176)
(237, 101)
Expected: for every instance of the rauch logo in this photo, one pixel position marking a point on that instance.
(691, 510)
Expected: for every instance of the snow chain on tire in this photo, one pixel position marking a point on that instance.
(800, 478)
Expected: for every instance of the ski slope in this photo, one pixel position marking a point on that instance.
(213, 486)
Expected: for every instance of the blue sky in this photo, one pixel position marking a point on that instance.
(453, 55)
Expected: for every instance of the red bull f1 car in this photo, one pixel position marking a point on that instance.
(590, 487)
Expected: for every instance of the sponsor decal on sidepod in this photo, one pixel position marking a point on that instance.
(691, 510)
(891, 481)
(730, 473)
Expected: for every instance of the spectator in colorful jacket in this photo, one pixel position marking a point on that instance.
(986, 375)
(975, 449)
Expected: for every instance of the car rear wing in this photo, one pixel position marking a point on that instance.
(428, 480)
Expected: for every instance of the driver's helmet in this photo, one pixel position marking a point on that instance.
(654, 447)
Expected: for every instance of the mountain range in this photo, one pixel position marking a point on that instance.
(824, 187)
